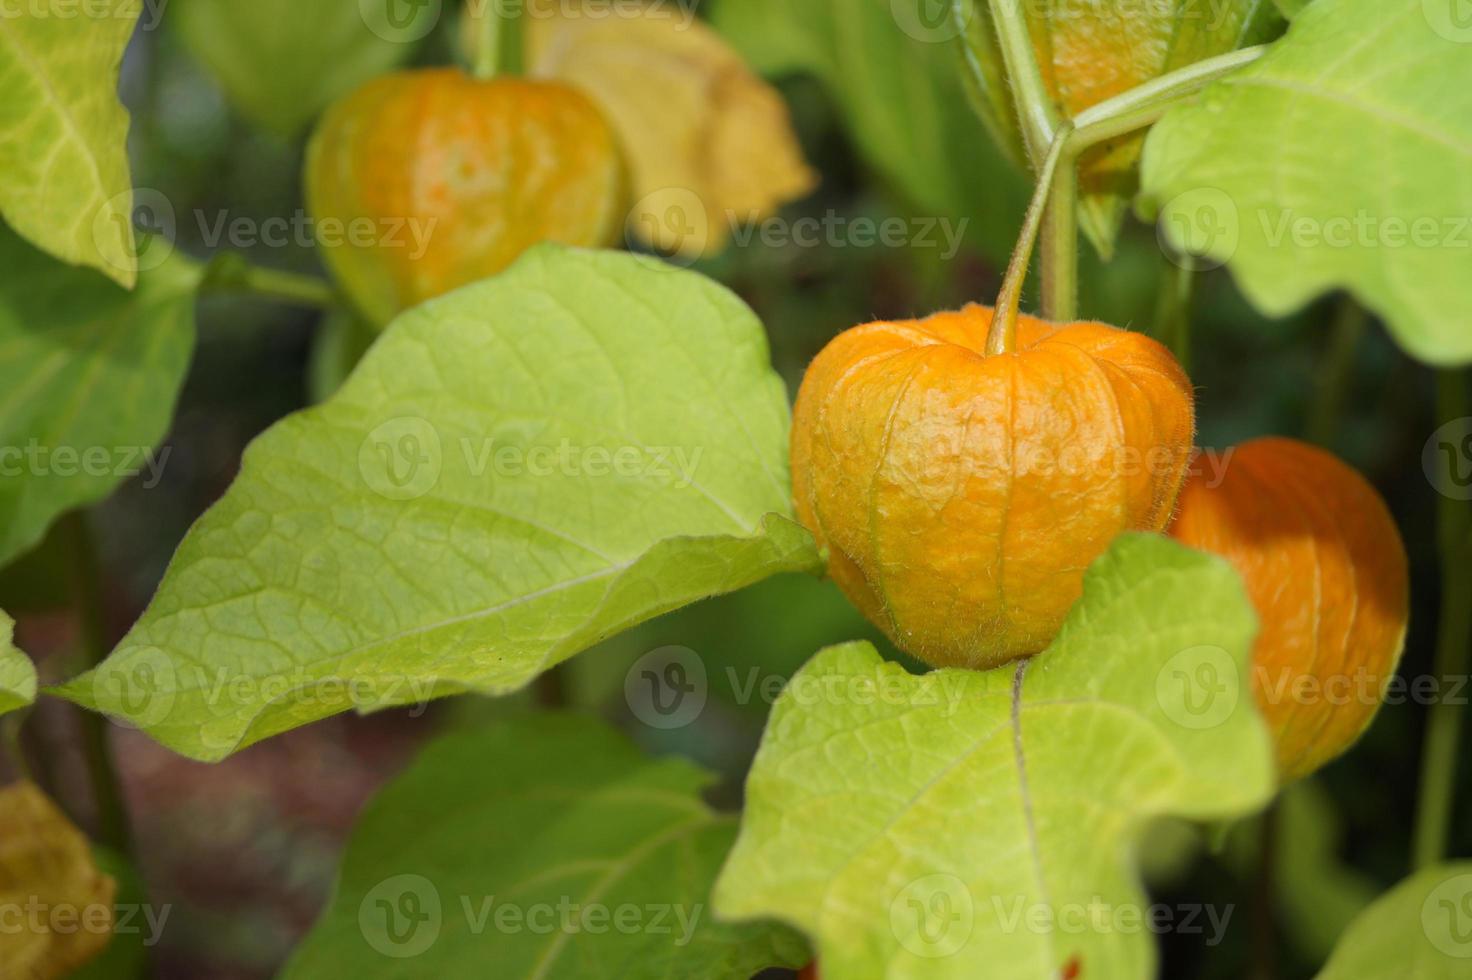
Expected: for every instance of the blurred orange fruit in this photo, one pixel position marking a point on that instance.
(960, 496)
(1325, 568)
(423, 181)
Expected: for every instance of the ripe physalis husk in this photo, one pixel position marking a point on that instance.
(961, 496)
(424, 181)
(1325, 568)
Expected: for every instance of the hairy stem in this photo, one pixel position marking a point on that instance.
(1173, 313)
(1002, 338)
(1036, 112)
(1060, 245)
(1453, 644)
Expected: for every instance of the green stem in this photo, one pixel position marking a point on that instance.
(113, 828)
(1060, 245)
(1036, 112)
(1144, 104)
(1350, 322)
(1453, 646)
(1002, 338)
(499, 51)
(10, 741)
(231, 273)
(1173, 313)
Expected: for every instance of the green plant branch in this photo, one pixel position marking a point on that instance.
(1143, 105)
(1059, 259)
(499, 47)
(113, 827)
(1002, 338)
(231, 273)
(1173, 313)
(1036, 113)
(1350, 322)
(1453, 646)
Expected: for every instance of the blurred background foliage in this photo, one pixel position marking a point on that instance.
(245, 851)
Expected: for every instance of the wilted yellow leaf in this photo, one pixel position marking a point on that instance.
(56, 908)
(709, 143)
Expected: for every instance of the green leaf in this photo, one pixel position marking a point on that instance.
(1241, 175)
(17, 674)
(895, 71)
(283, 61)
(932, 826)
(64, 180)
(514, 472)
(1088, 52)
(1291, 8)
(1421, 928)
(545, 847)
(88, 377)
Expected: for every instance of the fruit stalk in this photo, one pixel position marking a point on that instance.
(1453, 646)
(1035, 108)
(499, 50)
(1002, 338)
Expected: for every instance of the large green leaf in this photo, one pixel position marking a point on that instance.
(17, 674)
(64, 180)
(1341, 159)
(1089, 51)
(895, 72)
(514, 472)
(963, 824)
(283, 61)
(1421, 929)
(543, 848)
(88, 377)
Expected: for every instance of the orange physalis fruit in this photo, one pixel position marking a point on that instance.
(423, 181)
(1325, 568)
(961, 495)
